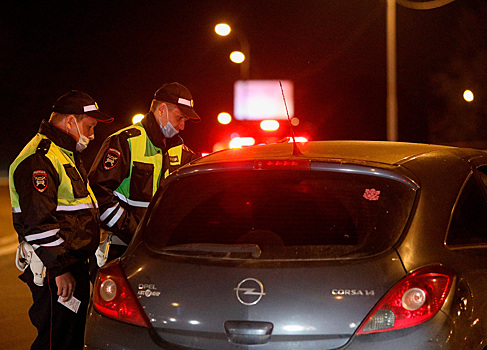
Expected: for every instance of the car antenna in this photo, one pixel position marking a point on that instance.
(296, 151)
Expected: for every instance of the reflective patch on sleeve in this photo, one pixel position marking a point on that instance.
(111, 158)
(39, 180)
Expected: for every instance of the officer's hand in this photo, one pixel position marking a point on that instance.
(65, 285)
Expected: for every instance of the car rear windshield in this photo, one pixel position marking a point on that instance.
(284, 214)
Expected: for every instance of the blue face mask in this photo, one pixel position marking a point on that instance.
(168, 130)
(83, 140)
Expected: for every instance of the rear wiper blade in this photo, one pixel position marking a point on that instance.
(253, 249)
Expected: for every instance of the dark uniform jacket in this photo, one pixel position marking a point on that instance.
(53, 206)
(128, 170)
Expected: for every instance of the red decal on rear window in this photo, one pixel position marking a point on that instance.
(371, 194)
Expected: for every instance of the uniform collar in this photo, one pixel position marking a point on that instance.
(57, 136)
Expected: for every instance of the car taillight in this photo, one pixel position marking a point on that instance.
(413, 300)
(113, 297)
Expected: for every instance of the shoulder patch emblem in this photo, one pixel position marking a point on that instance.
(174, 159)
(39, 180)
(111, 158)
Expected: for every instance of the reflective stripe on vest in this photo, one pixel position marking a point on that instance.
(131, 202)
(42, 235)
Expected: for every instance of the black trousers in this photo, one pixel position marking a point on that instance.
(58, 328)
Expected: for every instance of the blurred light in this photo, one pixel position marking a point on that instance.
(237, 57)
(269, 125)
(298, 139)
(204, 154)
(175, 304)
(194, 322)
(262, 100)
(224, 118)
(468, 95)
(137, 118)
(220, 146)
(294, 121)
(222, 29)
(239, 142)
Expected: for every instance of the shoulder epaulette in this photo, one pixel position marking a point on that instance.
(43, 146)
(132, 132)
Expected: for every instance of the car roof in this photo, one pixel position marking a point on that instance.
(385, 152)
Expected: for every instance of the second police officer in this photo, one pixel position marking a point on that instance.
(131, 163)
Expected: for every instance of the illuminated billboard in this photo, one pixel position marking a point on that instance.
(262, 99)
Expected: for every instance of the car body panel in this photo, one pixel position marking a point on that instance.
(346, 290)
(103, 333)
(193, 302)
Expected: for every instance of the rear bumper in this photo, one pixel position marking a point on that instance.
(102, 333)
(434, 334)
(106, 334)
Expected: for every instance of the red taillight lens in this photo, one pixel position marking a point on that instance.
(413, 300)
(113, 297)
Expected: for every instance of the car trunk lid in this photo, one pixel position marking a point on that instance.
(249, 301)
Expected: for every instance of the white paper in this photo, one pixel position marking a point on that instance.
(72, 304)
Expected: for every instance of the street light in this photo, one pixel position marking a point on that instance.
(224, 118)
(137, 118)
(468, 95)
(223, 29)
(237, 57)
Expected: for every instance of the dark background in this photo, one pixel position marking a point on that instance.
(120, 52)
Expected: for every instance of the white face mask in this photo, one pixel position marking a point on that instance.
(168, 130)
(83, 140)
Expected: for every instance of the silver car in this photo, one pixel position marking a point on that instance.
(322, 245)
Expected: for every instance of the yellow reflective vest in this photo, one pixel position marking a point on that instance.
(53, 207)
(128, 170)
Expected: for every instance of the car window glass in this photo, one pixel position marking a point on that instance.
(293, 214)
(469, 220)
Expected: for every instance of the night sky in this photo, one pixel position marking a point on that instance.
(120, 52)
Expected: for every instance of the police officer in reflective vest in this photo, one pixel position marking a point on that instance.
(132, 162)
(56, 216)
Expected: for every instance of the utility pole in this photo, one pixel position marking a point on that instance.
(391, 72)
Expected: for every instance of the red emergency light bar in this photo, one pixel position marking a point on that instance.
(288, 164)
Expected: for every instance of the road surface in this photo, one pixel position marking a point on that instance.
(16, 331)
